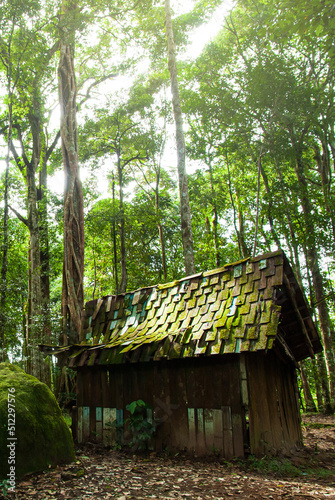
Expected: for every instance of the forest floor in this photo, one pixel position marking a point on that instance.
(107, 474)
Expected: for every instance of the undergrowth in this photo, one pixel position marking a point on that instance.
(282, 467)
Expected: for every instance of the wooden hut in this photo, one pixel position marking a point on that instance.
(214, 355)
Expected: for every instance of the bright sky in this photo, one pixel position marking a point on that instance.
(200, 38)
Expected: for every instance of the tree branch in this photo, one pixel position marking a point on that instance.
(94, 84)
(19, 216)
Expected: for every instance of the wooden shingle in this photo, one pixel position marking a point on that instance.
(236, 308)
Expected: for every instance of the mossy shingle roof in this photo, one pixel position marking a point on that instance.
(251, 305)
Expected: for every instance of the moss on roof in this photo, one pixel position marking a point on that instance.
(233, 309)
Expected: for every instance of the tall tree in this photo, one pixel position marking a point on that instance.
(185, 213)
(25, 48)
(73, 260)
(120, 136)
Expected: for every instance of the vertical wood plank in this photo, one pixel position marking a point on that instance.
(95, 387)
(98, 426)
(80, 424)
(177, 412)
(119, 426)
(105, 394)
(244, 381)
(209, 430)
(218, 430)
(108, 426)
(74, 423)
(86, 423)
(259, 417)
(200, 432)
(86, 387)
(79, 388)
(289, 412)
(238, 441)
(191, 429)
(228, 447)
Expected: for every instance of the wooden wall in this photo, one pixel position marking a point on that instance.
(201, 405)
(274, 417)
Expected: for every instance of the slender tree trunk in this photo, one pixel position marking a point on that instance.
(235, 215)
(4, 264)
(241, 233)
(73, 260)
(323, 163)
(37, 331)
(160, 227)
(44, 252)
(294, 240)
(313, 264)
(34, 319)
(269, 205)
(318, 387)
(163, 254)
(123, 283)
(116, 275)
(186, 228)
(215, 217)
(309, 401)
(318, 364)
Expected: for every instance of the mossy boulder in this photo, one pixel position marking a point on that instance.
(43, 438)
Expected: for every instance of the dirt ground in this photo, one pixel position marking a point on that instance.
(107, 474)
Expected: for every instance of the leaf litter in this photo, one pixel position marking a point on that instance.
(107, 474)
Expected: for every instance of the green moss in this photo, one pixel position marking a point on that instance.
(43, 437)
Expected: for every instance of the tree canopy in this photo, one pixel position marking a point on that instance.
(257, 112)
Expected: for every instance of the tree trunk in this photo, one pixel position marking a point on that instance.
(269, 205)
(37, 330)
(309, 401)
(4, 265)
(44, 252)
(159, 226)
(34, 315)
(215, 217)
(73, 260)
(313, 264)
(186, 228)
(323, 163)
(114, 241)
(241, 233)
(317, 378)
(123, 283)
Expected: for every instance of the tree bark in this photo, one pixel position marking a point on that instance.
(186, 228)
(313, 264)
(114, 241)
(44, 250)
(309, 401)
(123, 282)
(73, 259)
(38, 332)
(4, 264)
(159, 225)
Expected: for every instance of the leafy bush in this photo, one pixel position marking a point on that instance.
(140, 424)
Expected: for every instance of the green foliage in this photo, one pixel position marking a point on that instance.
(4, 487)
(140, 424)
(261, 93)
(283, 467)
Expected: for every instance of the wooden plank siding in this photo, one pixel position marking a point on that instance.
(225, 405)
(274, 416)
(213, 354)
(196, 403)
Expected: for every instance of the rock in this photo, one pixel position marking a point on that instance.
(32, 428)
